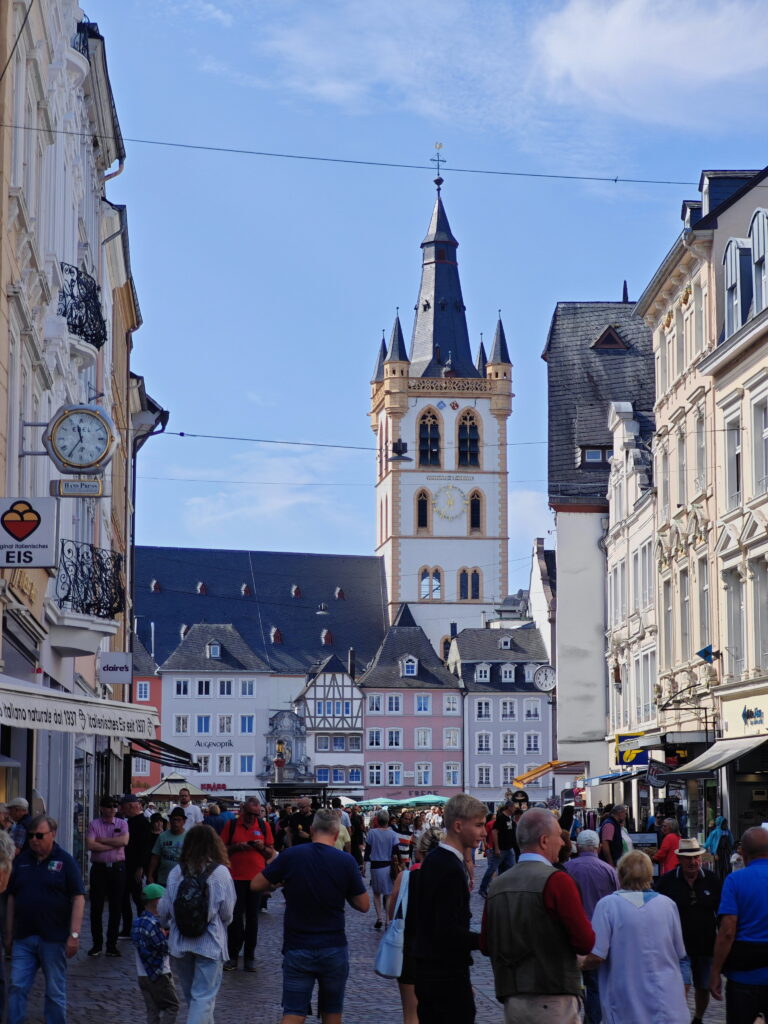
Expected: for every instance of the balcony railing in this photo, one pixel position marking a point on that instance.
(80, 305)
(80, 42)
(734, 500)
(89, 580)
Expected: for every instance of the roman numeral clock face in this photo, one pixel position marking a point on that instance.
(80, 439)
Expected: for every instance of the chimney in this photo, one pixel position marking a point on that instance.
(351, 663)
(483, 620)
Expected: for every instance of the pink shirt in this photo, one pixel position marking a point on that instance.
(100, 829)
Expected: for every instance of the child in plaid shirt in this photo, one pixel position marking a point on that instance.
(152, 964)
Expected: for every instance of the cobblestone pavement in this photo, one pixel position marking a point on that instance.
(104, 991)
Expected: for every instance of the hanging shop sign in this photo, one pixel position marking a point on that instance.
(93, 488)
(626, 750)
(51, 710)
(114, 667)
(655, 774)
(29, 533)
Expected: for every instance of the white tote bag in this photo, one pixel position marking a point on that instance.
(389, 956)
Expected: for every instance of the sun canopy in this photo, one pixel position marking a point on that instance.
(170, 786)
(719, 754)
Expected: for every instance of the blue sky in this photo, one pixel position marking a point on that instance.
(265, 283)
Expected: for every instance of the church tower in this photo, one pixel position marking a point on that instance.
(441, 511)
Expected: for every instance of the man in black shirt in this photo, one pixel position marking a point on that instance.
(696, 892)
(300, 823)
(504, 834)
(137, 854)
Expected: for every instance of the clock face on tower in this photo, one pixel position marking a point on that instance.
(449, 502)
(80, 438)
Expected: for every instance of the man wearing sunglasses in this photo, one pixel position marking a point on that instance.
(107, 839)
(46, 899)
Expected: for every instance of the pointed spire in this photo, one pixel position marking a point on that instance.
(482, 361)
(440, 325)
(378, 370)
(396, 352)
(499, 352)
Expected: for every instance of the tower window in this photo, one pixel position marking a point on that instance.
(429, 439)
(430, 584)
(475, 512)
(469, 585)
(469, 440)
(422, 510)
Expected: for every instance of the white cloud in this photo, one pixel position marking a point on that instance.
(207, 11)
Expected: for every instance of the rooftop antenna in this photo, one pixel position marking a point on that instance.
(438, 159)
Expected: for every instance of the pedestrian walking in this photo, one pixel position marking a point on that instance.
(202, 880)
(638, 948)
(741, 946)
(595, 879)
(137, 854)
(249, 844)
(666, 855)
(317, 881)
(612, 835)
(695, 891)
(534, 927)
(192, 813)
(442, 939)
(46, 899)
(153, 966)
(106, 839)
(166, 852)
(18, 810)
(382, 846)
(720, 843)
(300, 823)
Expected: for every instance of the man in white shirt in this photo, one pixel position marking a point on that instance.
(192, 812)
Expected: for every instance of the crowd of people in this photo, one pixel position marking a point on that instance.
(578, 925)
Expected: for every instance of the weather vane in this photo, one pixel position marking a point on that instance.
(438, 159)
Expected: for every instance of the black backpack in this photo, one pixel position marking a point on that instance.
(190, 908)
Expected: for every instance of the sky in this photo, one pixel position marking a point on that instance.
(265, 282)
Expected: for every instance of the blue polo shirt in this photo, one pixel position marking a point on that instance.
(42, 894)
(745, 895)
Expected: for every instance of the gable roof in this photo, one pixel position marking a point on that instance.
(143, 662)
(399, 642)
(191, 655)
(481, 647)
(582, 381)
(267, 577)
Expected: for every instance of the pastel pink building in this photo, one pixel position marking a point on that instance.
(412, 718)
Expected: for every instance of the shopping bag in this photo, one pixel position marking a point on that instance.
(389, 956)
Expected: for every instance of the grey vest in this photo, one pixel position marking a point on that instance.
(529, 951)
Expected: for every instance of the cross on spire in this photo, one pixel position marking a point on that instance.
(438, 159)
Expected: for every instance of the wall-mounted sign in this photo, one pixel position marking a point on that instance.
(213, 787)
(752, 716)
(626, 753)
(44, 709)
(114, 667)
(654, 774)
(78, 489)
(29, 532)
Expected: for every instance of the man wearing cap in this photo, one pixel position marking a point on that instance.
(137, 854)
(18, 809)
(46, 899)
(153, 965)
(696, 893)
(107, 839)
(167, 849)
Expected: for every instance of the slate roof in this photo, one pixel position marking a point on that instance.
(582, 381)
(499, 352)
(192, 656)
(252, 592)
(479, 646)
(481, 363)
(440, 326)
(378, 370)
(399, 641)
(143, 662)
(396, 352)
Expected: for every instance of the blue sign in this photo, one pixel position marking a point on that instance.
(752, 716)
(629, 756)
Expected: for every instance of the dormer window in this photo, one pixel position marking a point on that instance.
(409, 667)
(482, 673)
(737, 271)
(339, 594)
(326, 638)
(530, 668)
(505, 644)
(202, 588)
(758, 234)
(275, 635)
(154, 587)
(213, 650)
(183, 630)
(507, 673)
(295, 590)
(245, 590)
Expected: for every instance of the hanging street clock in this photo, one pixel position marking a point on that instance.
(80, 439)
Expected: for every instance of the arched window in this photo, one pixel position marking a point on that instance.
(463, 585)
(424, 585)
(445, 647)
(474, 585)
(429, 439)
(436, 584)
(423, 505)
(430, 583)
(469, 440)
(758, 233)
(476, 512)
(470, 584)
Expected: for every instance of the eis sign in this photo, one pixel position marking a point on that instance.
(29, 532)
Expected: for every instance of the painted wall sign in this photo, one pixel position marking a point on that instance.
(29, 530)
(752, 716)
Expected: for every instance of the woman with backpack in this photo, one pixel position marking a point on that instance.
(198, 905)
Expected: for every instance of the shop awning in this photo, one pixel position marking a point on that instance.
(536, 773)
(608, 777)
(41, 708)
(160, 752)
(648, 741)
(719, 754)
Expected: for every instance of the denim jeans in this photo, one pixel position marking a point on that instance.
(492, 863)
(28, 956)
(302, 968)
(594, 1013)
(200, 978)
(507, 860)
